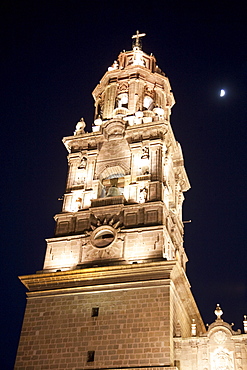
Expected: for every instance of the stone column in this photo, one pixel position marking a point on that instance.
(156, 161)
(135, 160)
(136, 89)
(109, 101)
(91, 162)
(73, 163)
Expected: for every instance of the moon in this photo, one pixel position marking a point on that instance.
(222, 92)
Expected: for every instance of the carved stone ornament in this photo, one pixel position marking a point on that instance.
(91, 253)
(222, 360)
(103, 236)
(104, 243)
(114, 129)
(220, 337)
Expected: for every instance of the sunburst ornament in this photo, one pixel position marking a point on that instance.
(114, 222)
(103, 236)
(105, 232)
(103, 240)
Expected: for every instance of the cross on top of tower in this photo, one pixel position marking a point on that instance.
(137, 42)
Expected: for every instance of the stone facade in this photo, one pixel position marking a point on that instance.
(113, 292)
(136, 306)
(219, 348)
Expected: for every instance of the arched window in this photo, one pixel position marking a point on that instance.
(122, 100)
(113, 185)
(148, 103)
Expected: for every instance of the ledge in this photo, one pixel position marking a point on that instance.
(101, 202)
(106, 277)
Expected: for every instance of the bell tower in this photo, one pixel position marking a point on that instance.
(113, 291)
(124, 194)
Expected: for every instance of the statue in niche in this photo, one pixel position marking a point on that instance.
(99, 107)
(81, 172)
(145, 161)
(145, 153)
(143, 195)
(113, 190)
(83, 163)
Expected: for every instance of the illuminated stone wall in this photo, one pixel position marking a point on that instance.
(124, 315)
(221, 348)
(132, 329)
(147, 195)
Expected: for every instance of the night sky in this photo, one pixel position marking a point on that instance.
(53, 54)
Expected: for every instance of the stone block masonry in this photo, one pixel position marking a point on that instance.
(132, 329)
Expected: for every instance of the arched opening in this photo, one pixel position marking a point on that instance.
(122, 100)
(113, 185)
(148, 103)
(112, 181)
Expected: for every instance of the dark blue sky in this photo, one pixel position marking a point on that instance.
(53, 53)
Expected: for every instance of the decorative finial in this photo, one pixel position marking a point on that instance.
(218, 312)
(193, 328)
(113, 66)
(245, 324)
(137, 42)
(80, 126)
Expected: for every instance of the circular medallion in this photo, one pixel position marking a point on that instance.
(103, 236)
(220, 337)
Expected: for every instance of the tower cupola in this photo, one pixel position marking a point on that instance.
(134, 88)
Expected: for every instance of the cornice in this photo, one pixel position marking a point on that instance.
(108, 277)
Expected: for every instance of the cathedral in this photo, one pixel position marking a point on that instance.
(113, 292)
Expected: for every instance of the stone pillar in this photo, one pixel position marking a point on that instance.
(109, 101)
(156, 161)
(136, 89)
(135, 160)
(91, 162)
(73, 163)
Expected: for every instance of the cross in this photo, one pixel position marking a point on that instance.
(137, 42)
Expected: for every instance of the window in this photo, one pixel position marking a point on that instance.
(95, 311)
(90, 356)
(122, 100)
